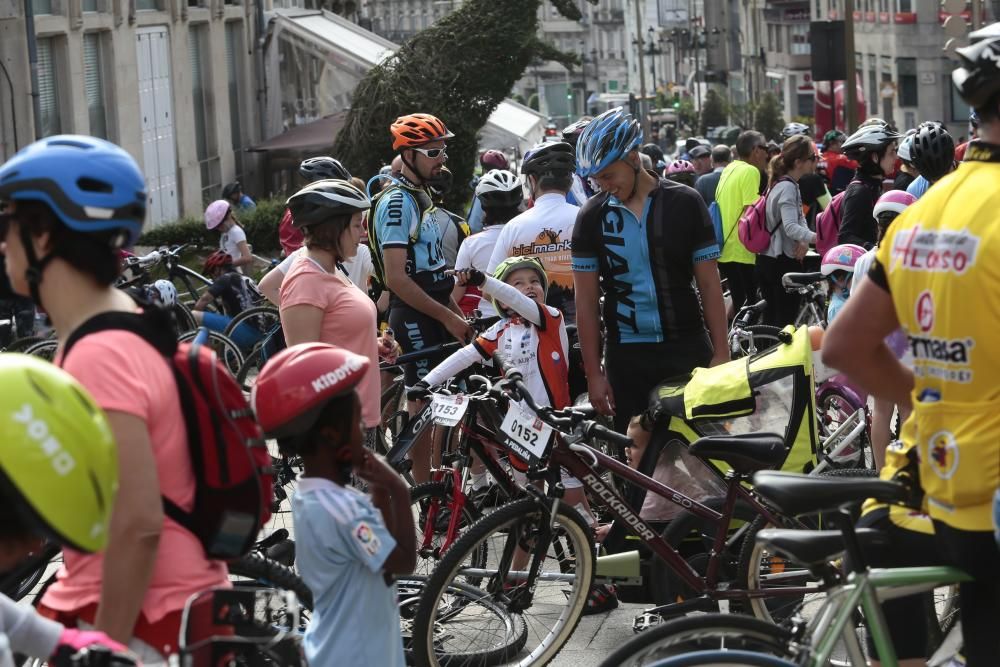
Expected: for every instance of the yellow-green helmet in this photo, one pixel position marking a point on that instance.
(58, 459)
(512, 264)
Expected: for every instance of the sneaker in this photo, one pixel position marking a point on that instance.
(602, 598)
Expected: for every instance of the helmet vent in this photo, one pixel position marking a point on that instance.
(37, 387)
(69, 142)
(83, 401)
(93, 185)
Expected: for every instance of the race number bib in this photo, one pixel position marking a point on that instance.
(529, 436)
(448, 410)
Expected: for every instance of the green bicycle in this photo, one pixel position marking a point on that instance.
(829, 636)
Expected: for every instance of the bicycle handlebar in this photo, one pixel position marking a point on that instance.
(420, 355)
(747, 313)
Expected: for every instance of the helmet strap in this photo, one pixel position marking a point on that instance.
(36, 267)
(413, 170)
(635, 181)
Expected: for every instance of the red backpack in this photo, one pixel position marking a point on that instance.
(752, 225)
(232, 467)
(828, 223)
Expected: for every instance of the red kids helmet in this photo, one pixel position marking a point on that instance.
(219, 259)
(297, 383)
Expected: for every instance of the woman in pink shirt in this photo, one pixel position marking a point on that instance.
(69, 204)
(318, 302)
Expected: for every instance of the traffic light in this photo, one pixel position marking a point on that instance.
(569, 93)
(633, 104)
(677, 100)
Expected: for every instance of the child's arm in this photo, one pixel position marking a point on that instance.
(391, 496)
(509, 296)
(453, 365)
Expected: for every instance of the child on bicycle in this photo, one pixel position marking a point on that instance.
(231, 290)
(531, 336)
(48, 498)
(349, 545)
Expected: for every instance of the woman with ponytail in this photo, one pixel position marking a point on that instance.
(790, 237)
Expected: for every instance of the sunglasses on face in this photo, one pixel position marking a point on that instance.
(432, 153)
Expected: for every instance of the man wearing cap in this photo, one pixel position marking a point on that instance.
(701, 158)
(707, 183)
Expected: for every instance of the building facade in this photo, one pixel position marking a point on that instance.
(168, 80)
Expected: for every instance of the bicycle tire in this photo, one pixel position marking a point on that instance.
(422, 498)
(761, 333)
(228, 352)
(250, 313)
(183, 318)
(511, 521)
(752, 556)
(723, 659)
(22, 344)
(271, 574)
(410, 588)
(830, 400)
(664, 583)
(246, 376)
(45, 349)
(688, 634)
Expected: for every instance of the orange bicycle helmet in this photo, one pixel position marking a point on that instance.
(417, 129)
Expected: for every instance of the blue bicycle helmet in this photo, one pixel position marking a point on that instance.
(90, 184)
(608, 138)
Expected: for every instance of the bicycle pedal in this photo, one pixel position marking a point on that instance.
(645, 621)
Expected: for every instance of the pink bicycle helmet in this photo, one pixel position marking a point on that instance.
(894, 201)
(493, 159)
(841, 258)
(679, 167)
(216, 213)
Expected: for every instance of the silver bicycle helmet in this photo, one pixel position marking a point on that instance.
(499, 188)
(322, 200)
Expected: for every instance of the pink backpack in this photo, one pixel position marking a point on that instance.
(828, 223)
(752, 226)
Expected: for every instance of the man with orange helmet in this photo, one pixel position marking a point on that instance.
(408, 252)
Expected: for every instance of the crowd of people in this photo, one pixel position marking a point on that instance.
(597, 233)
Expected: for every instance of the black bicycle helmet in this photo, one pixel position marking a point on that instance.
(933, 150)
(654, 152)
(548, 158)
(572, 132)
(322, 200)
(323, 167)
(869, 138)
(978, 78)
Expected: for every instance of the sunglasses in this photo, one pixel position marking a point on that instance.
(432, 153)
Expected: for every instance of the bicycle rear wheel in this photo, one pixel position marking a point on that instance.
(724, 659)
(681, 636)
(447, 630)
(228, 351)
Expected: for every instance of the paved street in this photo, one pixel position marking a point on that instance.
(597, 636)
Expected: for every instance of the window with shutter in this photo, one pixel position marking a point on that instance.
(234, 62)
(206, 145)
(93, 85)
(48, 94)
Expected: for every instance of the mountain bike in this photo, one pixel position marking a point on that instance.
(541, 555)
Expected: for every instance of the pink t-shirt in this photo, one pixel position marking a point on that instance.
(126, 374)
(349, 321)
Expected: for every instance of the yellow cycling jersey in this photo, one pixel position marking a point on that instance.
(941, 264)
(897, 462)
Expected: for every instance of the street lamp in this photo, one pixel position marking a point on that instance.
(652, 52)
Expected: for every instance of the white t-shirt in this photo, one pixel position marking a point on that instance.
(544, 231)
(359, 268)
(230, 241)
(475, 253)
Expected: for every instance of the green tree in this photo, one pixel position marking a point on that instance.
(458, 70)
(686, 115)
(713, 112)
(767, 117)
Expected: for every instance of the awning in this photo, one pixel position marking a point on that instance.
(314, 137)
(348, 52)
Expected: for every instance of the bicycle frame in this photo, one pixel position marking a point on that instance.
(610, 499)
(835, 619)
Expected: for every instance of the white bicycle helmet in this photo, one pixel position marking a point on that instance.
(794, 129)
(163, 293)
(499, 188)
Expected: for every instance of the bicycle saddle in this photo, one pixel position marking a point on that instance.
(812, 547)
(801, 494)
(800, 279)
(745, 453)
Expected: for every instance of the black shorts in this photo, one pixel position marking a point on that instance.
(416, 331)
(906, 617)
(635, 369)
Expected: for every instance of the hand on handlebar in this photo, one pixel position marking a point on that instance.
(473, 277)
(458, 327)
(421, 391)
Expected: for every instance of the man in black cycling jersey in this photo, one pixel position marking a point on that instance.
(422, 313)
(646, 244)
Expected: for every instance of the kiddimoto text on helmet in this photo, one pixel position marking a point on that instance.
(61, 460)
(327, 380)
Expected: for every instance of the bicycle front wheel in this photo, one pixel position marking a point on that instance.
(432, 508)
(681, 636)
(228, 352)
(723, 659)
(448, 630)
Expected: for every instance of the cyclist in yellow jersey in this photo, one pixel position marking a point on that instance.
(937, 273)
